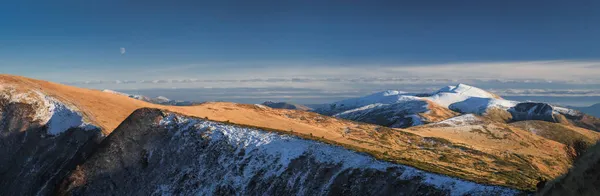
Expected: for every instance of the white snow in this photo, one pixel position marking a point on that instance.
(283, 149)
(163, 99)
(466, 119)
(260, 106)
(138, 97)
(64, 118)
(385, 97)
(57, 116)
(454, 94)
(115, 92)
(466, 90)
(460, 98)
(478, 105)
(567, 111)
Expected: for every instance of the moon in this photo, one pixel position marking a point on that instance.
(122, 51)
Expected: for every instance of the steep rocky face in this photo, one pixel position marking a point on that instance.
(533, 111)
(154, 152)
(546, 112)
(41, 140)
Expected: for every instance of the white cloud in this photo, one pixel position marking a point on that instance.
(329, 76)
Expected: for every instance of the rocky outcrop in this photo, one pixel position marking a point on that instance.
(546, 112)
(160, 153)
(40, 142)
(533, 111)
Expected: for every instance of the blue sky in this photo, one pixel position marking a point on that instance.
(78, 41)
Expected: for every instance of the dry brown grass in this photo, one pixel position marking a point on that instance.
(582, 179)
(565, 134)
(493, 153)
(437, 113)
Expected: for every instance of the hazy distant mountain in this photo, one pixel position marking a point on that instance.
(593, 110)
(285, 105)
(157, 100)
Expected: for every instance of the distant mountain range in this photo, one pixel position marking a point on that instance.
(285, 105)
(593, 110)
(399, 109)
(157, 100)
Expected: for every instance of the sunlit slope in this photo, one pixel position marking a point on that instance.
(478, 150)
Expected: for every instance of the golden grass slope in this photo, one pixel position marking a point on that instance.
(582, 179)
(489, 152)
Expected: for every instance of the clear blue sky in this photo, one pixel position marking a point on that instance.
(37, 38)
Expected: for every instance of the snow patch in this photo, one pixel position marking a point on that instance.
(461, 92)
(57, 116)
(477, 105)
(115, 92)
(467, 119)
(282, 149)
(565, 111)
(260, 106)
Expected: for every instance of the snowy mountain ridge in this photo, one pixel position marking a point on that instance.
(54, 114)
(249, 162)
(400, 109)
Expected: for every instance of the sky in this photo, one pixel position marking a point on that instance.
(510, 46)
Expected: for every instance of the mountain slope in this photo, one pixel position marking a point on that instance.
(399, 109)
(593, 110)
(582, 179)
(564, 134)
(154, 152)
(405, 113)
(430, 148)
(549, 113)
(41, 140)
(388, 108)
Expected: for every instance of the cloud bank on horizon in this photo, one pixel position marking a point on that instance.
(528, 78)
(585, 72)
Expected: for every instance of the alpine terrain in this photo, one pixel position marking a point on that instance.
(460, 140)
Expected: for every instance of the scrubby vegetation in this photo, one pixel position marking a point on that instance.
(582, 179)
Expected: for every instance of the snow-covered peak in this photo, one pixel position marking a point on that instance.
(384, 97)
(56, 115)
(466, 90)
(453, 94)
